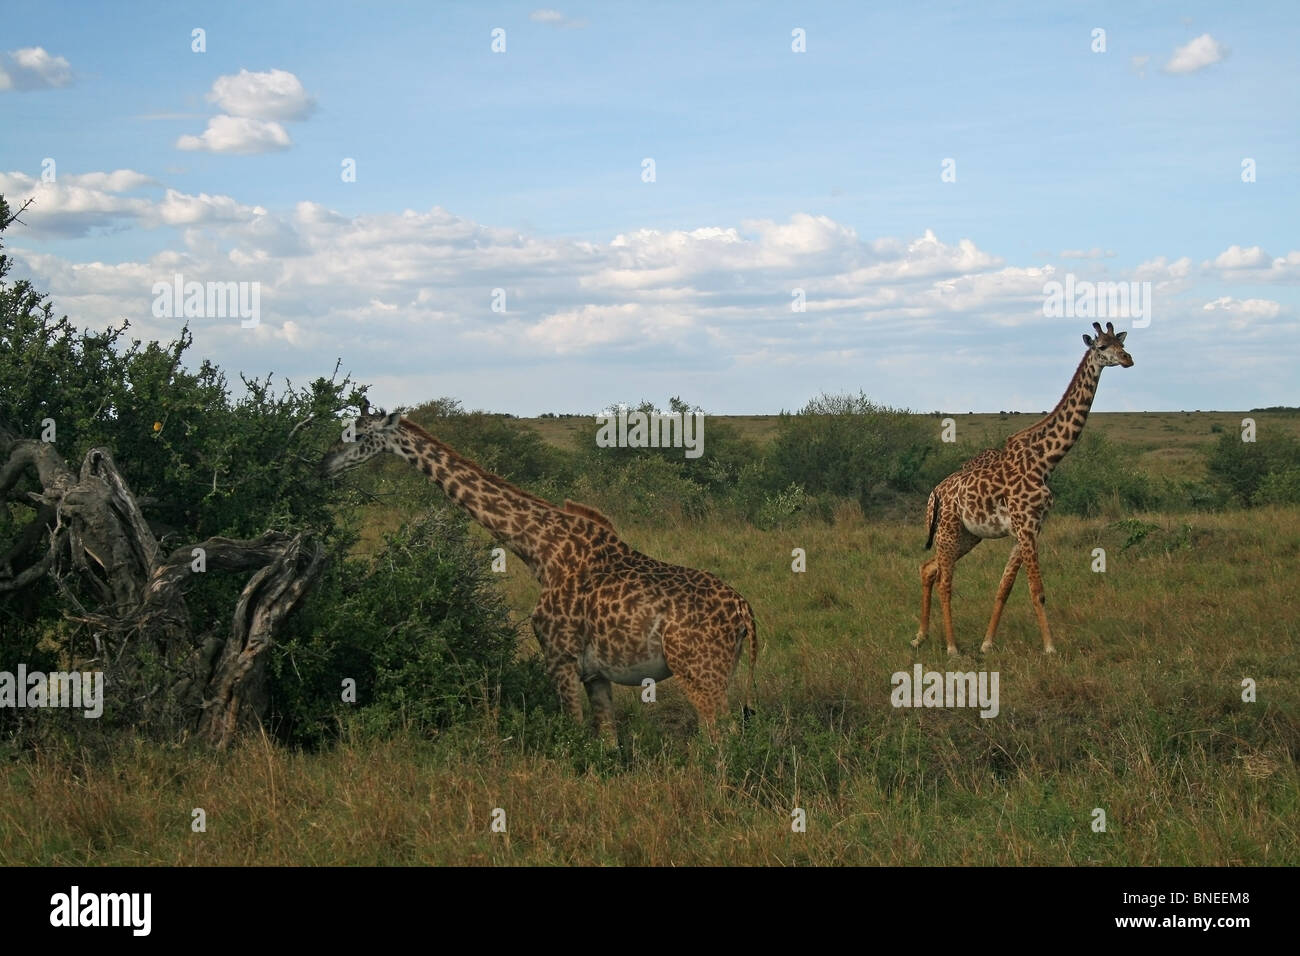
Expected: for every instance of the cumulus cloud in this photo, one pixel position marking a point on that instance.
(238, 134)
(1163, 269)
(1235, 257)
(662, 293)
(79, 204)
(31, 68)
(1252, 263)
(118, 181)
(409, 294)
(272, 95)
(1196, 55)
(1242, 313)
(254, 105)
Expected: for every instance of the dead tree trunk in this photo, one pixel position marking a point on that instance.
(128, 596)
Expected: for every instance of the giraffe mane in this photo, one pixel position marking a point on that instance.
(586, 511)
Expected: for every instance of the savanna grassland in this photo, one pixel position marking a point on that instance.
(1140, 714)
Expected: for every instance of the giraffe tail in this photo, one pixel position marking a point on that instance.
(748, 708)
(932, 516)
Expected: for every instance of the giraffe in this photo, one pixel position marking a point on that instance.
(607, 614)
(1003, 491)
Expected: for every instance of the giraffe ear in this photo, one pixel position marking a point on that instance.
(1121, 337)
(1087, 340)
(392, 419)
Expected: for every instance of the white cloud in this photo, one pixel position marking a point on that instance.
(1196, 55)
(118, 181)
(1161, 268)
(238, 134)
(31, 68)
(272, 95)
(555, 18)
(78, 204)
(180, 209)
(1253, 264)
(1235, 257)
(407, 295)
(1244, 312)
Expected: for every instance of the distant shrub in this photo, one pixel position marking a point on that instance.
(847, 445)
(500, 443)
(642, 487)
(1097, 474)
(779, 509)
(1279, 488)
(1241, 468)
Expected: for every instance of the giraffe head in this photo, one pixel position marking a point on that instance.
(367, 436)
(1109, 346)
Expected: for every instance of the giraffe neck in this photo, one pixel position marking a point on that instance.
(522, 521)
(1047, 441)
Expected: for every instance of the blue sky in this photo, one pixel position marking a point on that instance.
(774, 170)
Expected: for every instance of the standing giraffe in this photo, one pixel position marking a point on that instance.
(607, 613)
(1004, 491)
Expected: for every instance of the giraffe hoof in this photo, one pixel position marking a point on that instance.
(916, 642)
(1049, 649)
(986, 647)
(952, 652)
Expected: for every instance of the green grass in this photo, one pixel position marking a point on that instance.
(1140, 715)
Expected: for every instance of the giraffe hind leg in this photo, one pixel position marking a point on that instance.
(688, 654)
(929, 574)
(958, 546)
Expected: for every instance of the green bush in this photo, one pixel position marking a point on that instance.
(642, 487)
(421, 630)
(848, 446)
(1094, 475)
(1241, 468)
(1279, 488)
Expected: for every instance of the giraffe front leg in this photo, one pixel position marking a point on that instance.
(1029, 554)
(602, 708)
(1004, 589)
(563, 671)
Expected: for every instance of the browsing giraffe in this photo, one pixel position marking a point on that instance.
(1003, 491)
(607, 614)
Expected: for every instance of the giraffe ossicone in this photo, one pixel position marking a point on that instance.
(607, 614)
(1003, 491)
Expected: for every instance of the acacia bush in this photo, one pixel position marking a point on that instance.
(1096, 475)
(423, 632)
(1258, 472)
(422, 639)
(850, 447)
